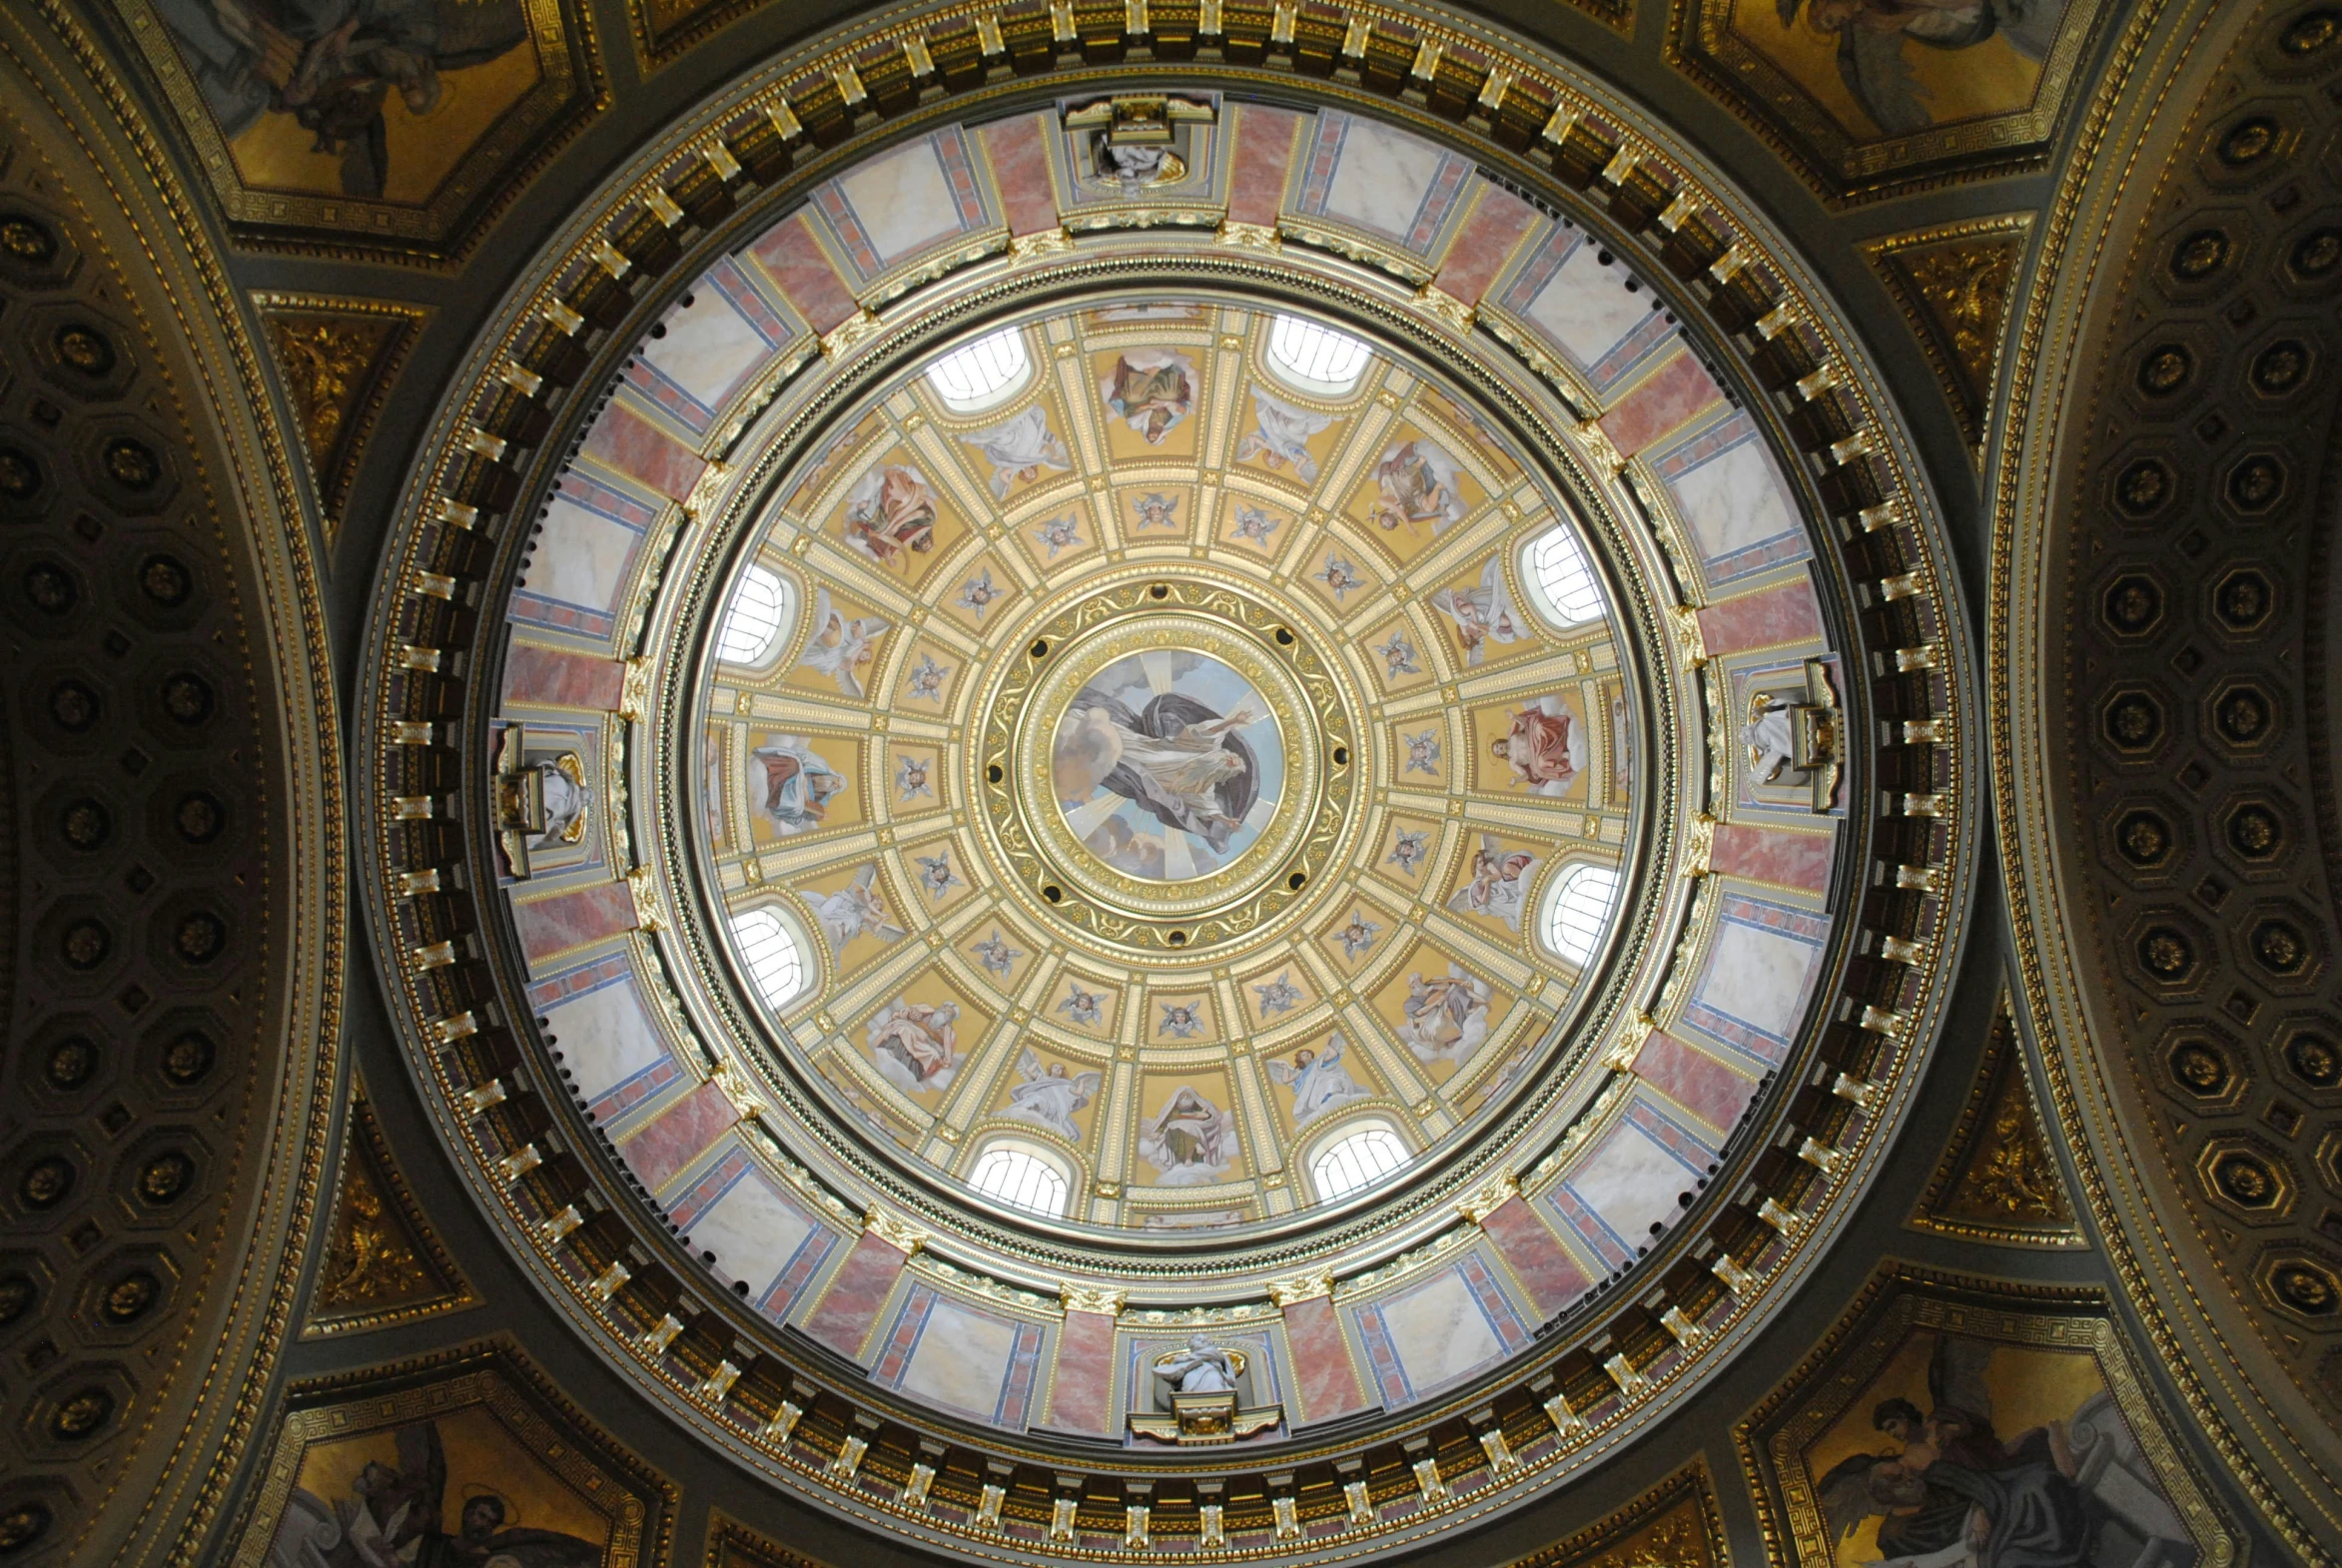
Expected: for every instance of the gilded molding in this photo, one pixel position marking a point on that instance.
(1998, 1180)
(1954, 283)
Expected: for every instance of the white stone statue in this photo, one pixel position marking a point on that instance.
(1202, 1369)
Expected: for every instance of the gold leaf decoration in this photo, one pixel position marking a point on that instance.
(1955, 285)
(1674, 1525)
(382, 1266)
(335, 360)
(1997, 1180)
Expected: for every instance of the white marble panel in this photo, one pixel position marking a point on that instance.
(1757, 975)
(904, 200)
(1734, 501)
(1630, 1182)
(1381, 179)
(752, 1230)
(581, 556)
(1586, 308)
(604, 1037)
(1440, 1332)
(708, 348)
(961, 1359)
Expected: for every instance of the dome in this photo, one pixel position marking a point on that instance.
(1177, 793)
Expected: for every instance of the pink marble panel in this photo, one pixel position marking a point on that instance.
(1695, 1081)
(630, 443)
(1082, 1395)
(571, 920)
(1668, 399)
(793, 258)
(563, 680)
(1785, 612)
(1256, 173)
(1322, 1374)
(1487, 237)
(1019, 170)
(843, 1317)
(1552, 1276)
(1789, 860)
(679, 1135)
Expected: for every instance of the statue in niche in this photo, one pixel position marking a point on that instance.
(1200, 1368)
(1203, 1383)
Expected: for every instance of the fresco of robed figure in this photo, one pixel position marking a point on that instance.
(1166, 765)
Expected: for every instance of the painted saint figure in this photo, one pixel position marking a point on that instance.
(1280, 434)
(1446, 1016)
(1180, 761)
(841, 645)
(1019, 447)
(1050, 1096)
(915, 1045)
(1417, 484)
(1318, 1080)
(1541, 749)
(1480, 615)
(856, 910)
(1191, 1142)
(889, 514)
(1151, 391)
(799, 783)
(1498, 884)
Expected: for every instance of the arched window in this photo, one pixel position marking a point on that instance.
(1317, 358)
(775, 961)
(1356, 1159)
(1021, 1179)
(1580, 912)
(753, 620)
(978, 375)
(1561, 583)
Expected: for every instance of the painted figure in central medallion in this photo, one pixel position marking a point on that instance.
(1166, 765)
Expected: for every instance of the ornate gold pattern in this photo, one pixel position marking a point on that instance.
(383, 1266)
(1997, 1180)
(1676, 1524)
(337, 360)
(1954, 283)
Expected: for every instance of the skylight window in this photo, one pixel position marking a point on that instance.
(1580, 913)
(753, 622)
(775, 963)
(1562, 584)
(1357, 1160)
(1318, 359)
(1020, 1178)
(978, 375)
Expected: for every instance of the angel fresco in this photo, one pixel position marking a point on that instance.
(1875, 36)
(1446, 1016)
(1153, 390)
(2070, 1493)
(915, 1045)
(997, 957)
(1318, 1081)
(332, 64)
(1050, 1096)
(889, 514)
(1416, 484)
(1480, 615)
(1498, 884)
(841, 645)
(856, 910)
(394, 1517)
(1019, 447)
(1280, 434)
(1191, 1142)
(1541, 748)
(799, 783)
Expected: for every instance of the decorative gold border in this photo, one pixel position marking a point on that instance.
(362, 1136)
(1700, 42)
(731, 1544)
(1885, 256)
(1604, 1545)
(381, 375)
(2003, 1054)
(495, 1372)
(1899, 1298)
(573, 89)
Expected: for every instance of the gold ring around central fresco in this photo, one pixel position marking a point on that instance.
(1169, 766)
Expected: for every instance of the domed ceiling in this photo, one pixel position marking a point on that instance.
(1165, 767)
(1166, 773)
